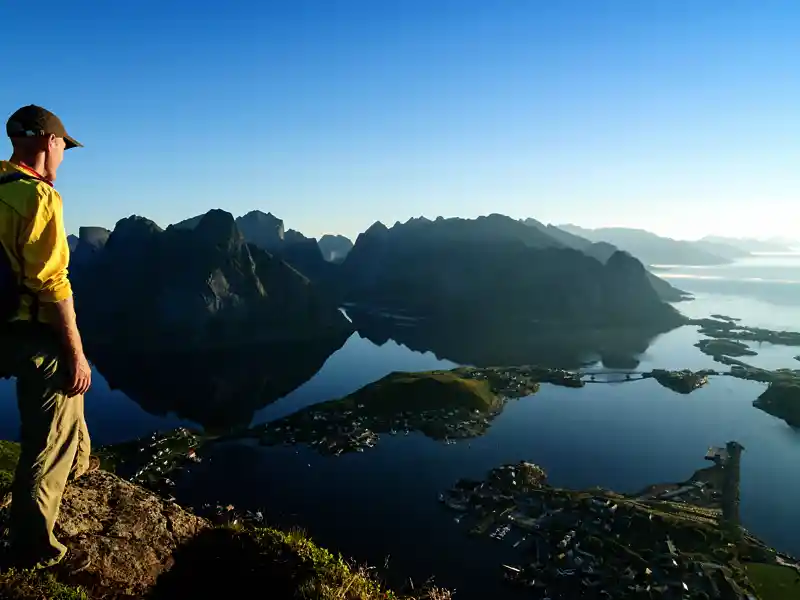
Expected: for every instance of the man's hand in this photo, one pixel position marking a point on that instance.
(80, 374)
(78, 370)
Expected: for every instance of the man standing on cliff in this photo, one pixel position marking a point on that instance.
(39, 340)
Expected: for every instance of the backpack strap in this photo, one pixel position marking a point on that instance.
(12, 178)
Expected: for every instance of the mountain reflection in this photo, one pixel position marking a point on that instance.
(545, 344)
(220, 390)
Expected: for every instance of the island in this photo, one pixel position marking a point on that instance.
(719, 346)
(683, 382)
(443, 405)
(731, 330)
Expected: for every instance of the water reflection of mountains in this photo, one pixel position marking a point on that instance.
(483, 345)
(220, 390)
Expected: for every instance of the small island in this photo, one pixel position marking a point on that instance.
(683, 382)
(719, 346)
(730, 329)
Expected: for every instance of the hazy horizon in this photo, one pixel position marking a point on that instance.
(676, 116)
(776, 239)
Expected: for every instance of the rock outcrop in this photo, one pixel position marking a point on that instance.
(130, 534)
(142, 546)
(267, 232)
(195, 288)
(91, 240)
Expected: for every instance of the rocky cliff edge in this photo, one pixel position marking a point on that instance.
(143, 546)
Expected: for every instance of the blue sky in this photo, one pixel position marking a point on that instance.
(680, 116)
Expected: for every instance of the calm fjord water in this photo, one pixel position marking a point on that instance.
(619, 435)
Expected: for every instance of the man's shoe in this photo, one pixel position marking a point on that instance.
(94, 464)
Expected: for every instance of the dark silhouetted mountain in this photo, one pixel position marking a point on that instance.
(335, 248)
(266, 231)
(649, 247)
(496, 269)
(72, 242)
(220, 390)
(749, 245)
(91, 241)
(201, 287)
(602, 251)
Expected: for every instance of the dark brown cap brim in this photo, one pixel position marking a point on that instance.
(71, 143)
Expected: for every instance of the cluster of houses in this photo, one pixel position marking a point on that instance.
(514, 382)
(583, 545)
(334, 432)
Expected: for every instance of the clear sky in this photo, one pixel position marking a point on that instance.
(680, 116)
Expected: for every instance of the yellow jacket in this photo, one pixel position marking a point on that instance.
(32, 224)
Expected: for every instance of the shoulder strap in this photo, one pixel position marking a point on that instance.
(12, 177)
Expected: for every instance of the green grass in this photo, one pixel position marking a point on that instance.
(285, 564)
(427, 390)
(32, 585)
(774, 582)
(9, 455)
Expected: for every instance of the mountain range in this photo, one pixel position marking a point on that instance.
(496, 268)
(216, 281)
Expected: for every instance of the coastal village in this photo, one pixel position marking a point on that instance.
(670, 541)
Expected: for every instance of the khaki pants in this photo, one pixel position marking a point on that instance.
(55, 444)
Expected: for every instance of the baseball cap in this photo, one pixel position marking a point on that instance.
(32, 120)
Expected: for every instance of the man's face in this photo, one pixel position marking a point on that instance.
(54, 156)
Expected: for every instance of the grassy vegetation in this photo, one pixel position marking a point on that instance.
(287, 565)
(9, 455)
(774, 582)
(31, 585)
(428, 390)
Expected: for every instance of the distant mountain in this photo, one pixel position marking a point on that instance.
(266, 231)
(90, 241)
(602, 251)
(189, 289)
(749, 245)
(653, 249)
(335, 247)
(495, 268)
(72, 242)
